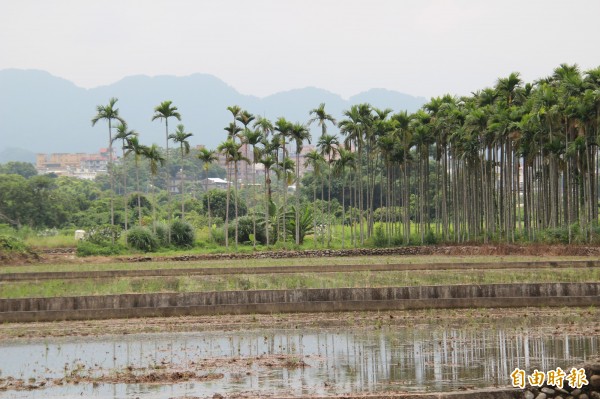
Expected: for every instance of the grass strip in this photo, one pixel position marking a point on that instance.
(54, 288)
(86, 265)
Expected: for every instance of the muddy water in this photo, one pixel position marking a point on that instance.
(350, 359)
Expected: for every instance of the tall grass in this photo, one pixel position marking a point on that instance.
(58, 241)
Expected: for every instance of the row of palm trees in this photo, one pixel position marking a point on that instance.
(509, 161)
(130, 145)
(512, 160)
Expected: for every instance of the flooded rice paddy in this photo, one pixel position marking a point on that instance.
(299, 362)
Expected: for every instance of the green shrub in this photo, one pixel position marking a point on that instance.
(430, 238)
(103, 235)
(245, 231)
(182, 234)
(86, 248)
(379, 238)
(12, 244)
(141, 238)
(559, 235)
(162, 234)
(218, 235)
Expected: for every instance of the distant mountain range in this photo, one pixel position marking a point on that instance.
(43, 113)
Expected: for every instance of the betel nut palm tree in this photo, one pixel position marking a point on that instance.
(207, 157)
(180, 136)
(346, 160)
(314, 160)
(227, 148)
(328, 144)
(109, 113)
(299, 133)
(133, 146)
(268, 161)
(253, 138)
(124, 134)
(166, 110)
(321, 117)
(155, 159)
(283, 129)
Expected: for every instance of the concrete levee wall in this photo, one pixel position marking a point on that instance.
(300, 300)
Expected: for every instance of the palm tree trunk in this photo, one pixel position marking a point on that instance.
(168, 180)
(329, 204)
(182, 193)
(235, 201)
(125, 188)
(267, 204)
(343, 208)
(137, 184)
(208, 205)
(360, 194)
(112, 179)
(253, 197)
(315, 210)
(297, 196)
(227, 204)
(153, 205)
(322, 210)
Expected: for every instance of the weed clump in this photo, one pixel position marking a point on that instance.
(12, 244)
(142, 239)
(12, 248)
(86, 248)
(182, 234)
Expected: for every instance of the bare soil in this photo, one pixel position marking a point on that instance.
(67, 255)
(163, 374)
(584, 321)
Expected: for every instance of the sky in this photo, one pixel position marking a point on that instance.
(260, 47)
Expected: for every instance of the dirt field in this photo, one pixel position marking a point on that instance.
(67, 255)
(583, 321)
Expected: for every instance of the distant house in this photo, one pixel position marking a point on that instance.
(83, 166)
(214, 182)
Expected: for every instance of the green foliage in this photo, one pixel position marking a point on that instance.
(145, 204)
(12, 244)
(141, 238)
(182, 234)
(162, 234)
(218, 204)
(103, 235)
(430, 237)
(381, 240)
(555, 236)
(24, 169)
(218, 236)
(196, 219)
(86, 248)
(306, 223)
(246, 230)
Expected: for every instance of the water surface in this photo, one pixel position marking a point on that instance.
(426, 357)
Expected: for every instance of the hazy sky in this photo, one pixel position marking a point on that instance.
(422, 48)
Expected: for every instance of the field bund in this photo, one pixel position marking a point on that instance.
(300, 300)
(213, 271)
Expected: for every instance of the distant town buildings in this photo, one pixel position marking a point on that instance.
(88, 166)
(81, 165)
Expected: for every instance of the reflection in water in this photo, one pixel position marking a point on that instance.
(421, 358)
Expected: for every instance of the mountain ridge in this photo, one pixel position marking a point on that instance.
(40, 112)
